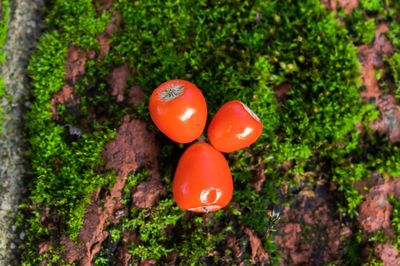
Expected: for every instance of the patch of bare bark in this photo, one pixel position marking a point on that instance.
(76, 62)
(65, 97)
(133, 147)
(389, 121)
(245, 238)
(75, 67)
(282, 90)
(388, 254)
(135, 95)
(259, 178)
(258, 254)
(375, 212)
(346, 5)
(371, 58)
(118, 80)
(104, 38)
(310, 231)
(103, 5)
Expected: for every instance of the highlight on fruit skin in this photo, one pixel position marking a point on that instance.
(202, 180)
(179, 110)
(233, 127)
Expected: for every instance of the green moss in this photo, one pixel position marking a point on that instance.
(395, 219)
(346, 176)
(353, 248)
(372, 5)
(394, 32)
(1, 96)
(131, 181)
(52, 256)
(363, 29)
(394, 64)
(373, 262)
(78, 21)
(4, 16)
(151, 225)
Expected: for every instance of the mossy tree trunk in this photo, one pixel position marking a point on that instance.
(23, 31)
(101, 172)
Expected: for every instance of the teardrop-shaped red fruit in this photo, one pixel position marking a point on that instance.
(203, 180)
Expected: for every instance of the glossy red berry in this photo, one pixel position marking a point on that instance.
(234, 126)
(179, 110)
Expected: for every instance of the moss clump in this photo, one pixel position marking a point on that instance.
(394, 28)
(151, 229)
(4, 15)
(362, 29)
(78, 21)
(394, 60)
(395, 218)
(394, 63)
(372, 5)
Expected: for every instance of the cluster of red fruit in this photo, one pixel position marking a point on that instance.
(202, 181)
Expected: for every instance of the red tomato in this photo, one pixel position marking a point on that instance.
(179, 110)
(203, 180)
(234, 127)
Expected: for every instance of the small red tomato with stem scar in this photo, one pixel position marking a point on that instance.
(202, 180)
(179, 110)
(234, 126)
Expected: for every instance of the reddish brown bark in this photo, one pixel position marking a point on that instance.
(258, 254)
(388, 254)
(308, 232)
(371, 58)
(347, 5)
(104, 38)
(282, 90)
(75, 67)
(118, 81)
(134, 146)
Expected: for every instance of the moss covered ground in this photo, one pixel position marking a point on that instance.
(231, 49)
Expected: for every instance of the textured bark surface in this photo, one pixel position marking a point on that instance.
(133, 147)
(310, 229)
(24, 30)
